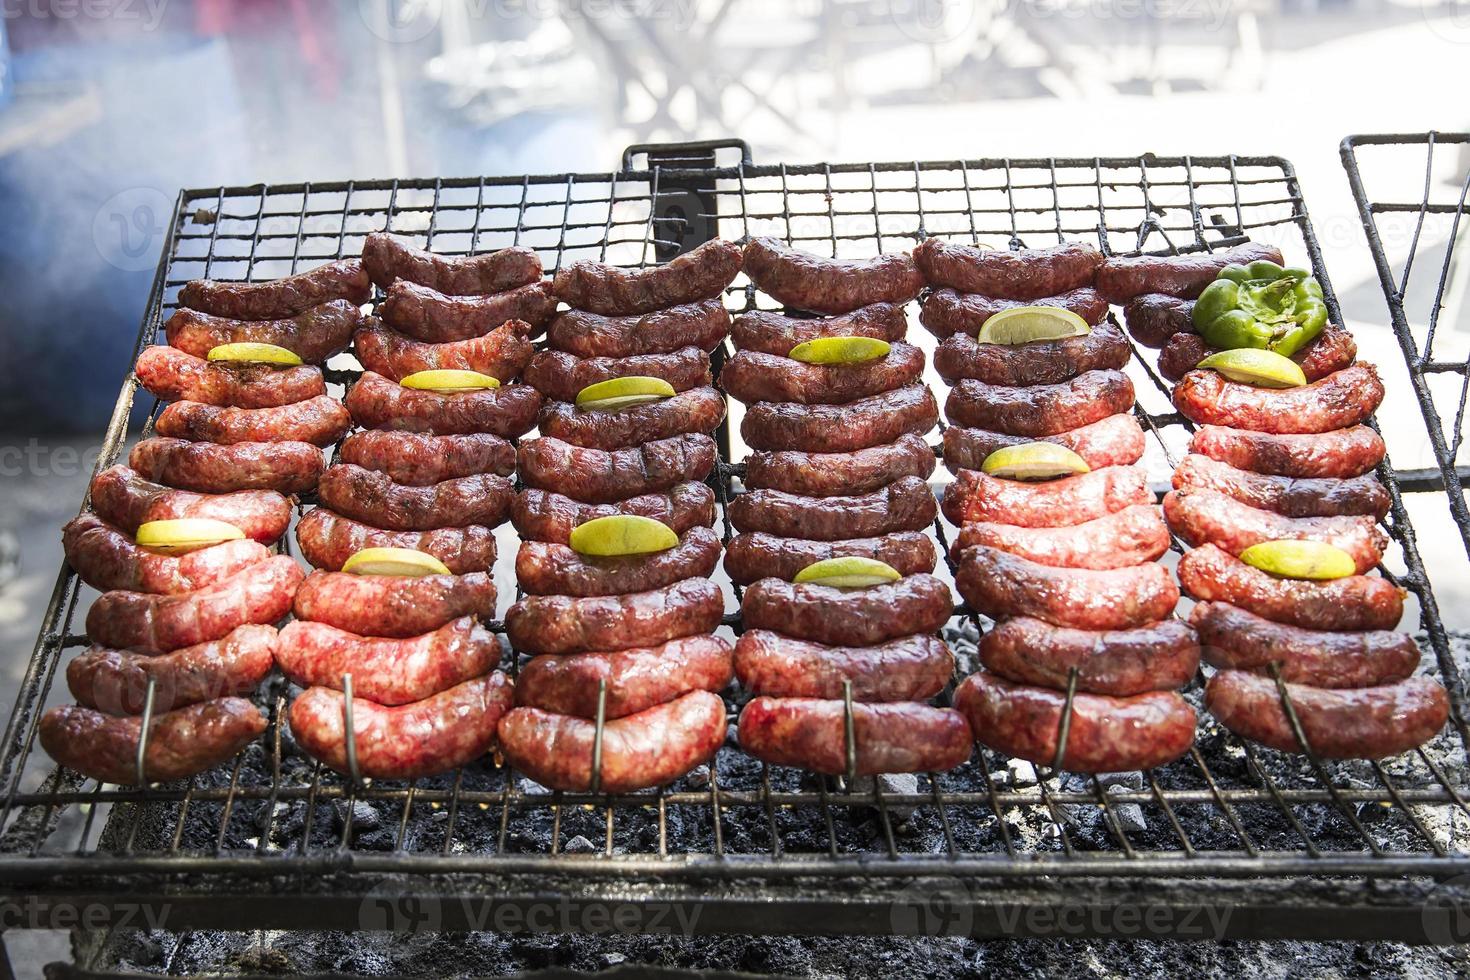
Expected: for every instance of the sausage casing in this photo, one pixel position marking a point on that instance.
(1039, 363)
(116, 681)
(1358, 602)
(998, 584)
(540, 515)
(810, 733)
(1028, 274)
(947, 312)
(753, 555)
(976, 496)
(1117, 440)
(1239, 640)
(702, 273)
(1288, 496)
(1338, 401)
(801, 280)
(374, 499)
(840, 474)
(907, 504)
(867, 422)
(1041, 409)
(1122, 539)
(857, 617)
(106, 559)
(1205, 517)
(181, 742)
(566, 624)
(910, 668)
(327, 539)
(543, 568)
(344, 281)
(391, 605)
(1160, 656)
(636, 679)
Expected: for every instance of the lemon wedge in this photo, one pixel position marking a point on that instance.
(394, 561)
(1033, 461)
(625, 392)
(185, 534)
(250, 353)
(450, 382)
(1029, 324)
(1262, 368)
(840, 350)
(622, 534)
(848, 573)
(1300, 559)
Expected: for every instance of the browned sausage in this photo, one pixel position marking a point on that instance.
(801, 280)
(508, 411)
(974, 496)
(429, 316)
(320, 421)
(392, 605)
(1122, 539)
(1205, 517)
(1044, 362)
(1153, 318)
(313, 335)
(1286, 495)
(946, 312)
(1040, 410)
(373, 498)
(173, 375)
(1332, 351)
(856, 617)
(564, 624)
(904, 505)
(327, 540)
(1160, 656)
(776, 333)
(1368, 723)
(636, 679)
(286, 467)
(116, 681)
(1029, 274)
(1358, 602)
(1338, 401)
(867, 422)
(1117, 440)
(106, 558)
(1182, 354)
(752, 376)
(998, 584)
(1344, 453)
(421, 460)
(810, 733)
(699, 274)
(125, 500)
(562, 376)
(1106, 734)
(692, 411)
(840, 474)
(388, 258)
(702, 325)
(910, 668)
(345, 281)
(753, 555)
(503, 353)
(1185, 276)
(1240, 640)
(540, 515)
(543, 568)
(607, 476)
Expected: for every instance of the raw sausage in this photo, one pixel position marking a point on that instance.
(122, 498)
(1122, 539)
(910, 668)
(1117, 440)
(172, 375)
(106, 558)
(1344, 453)
(974, 496)
(563, 624)
(286, 467)
(1338, 401)
(391, 605)
(116, 681)
(1205, 517)
(320, 421)
(1286, 495)
(503, 353)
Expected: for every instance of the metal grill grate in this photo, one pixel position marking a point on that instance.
(1292, 841)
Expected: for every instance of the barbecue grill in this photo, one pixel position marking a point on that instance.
(1231, 841)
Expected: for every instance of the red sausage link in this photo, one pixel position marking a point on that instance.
(1153, 318)
(393, 606)
(1333, 350)
(637, 679)
(562, 376)
(601, 476)
(998, 584)
(858, 617)
(341, 281)
(116, 681)
(611, 291)
(947, 312)
(1338, 401)
(810, 733)
(373, 498)
(565, 624)
(974, 496)
(508, 411)
(1122, 539)
(804, 281)
(1358, 602)
(1117, 440)
(1240, 640)
(1286, 495)
(702, 325)
(124, 499)
(910, 668)
(1344, 453)
(1040, 410)
(173, 375)
(776, 333)
(752, 376)
(1027, 274)
(320, 421)
(1160, 656)
(543, 568)
(389, 258)
(417, 459)
(840, 474)
(429, 316)
(327, 540)
(907, 504)
(1205, 517)
(503, 353)
(1040, 363)
(313, 335)
(867, 422)
(753, 555)
(1184, 276)
(106, 558)
(539, 515)
(694, 411)
(285, 467)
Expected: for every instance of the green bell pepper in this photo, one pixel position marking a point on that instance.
(1261, 305)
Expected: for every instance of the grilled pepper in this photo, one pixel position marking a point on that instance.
(1261, 305)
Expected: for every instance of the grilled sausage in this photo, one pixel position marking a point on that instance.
(776, 333)
(122, 498)
(840, 474)
(858, 617)
(752, 376)
(260, 594)
(540, 515)
(1117, 440)
(1357, 602)
(562, 376)
(508, 411)
(1239, 640)
(1344, 453)
(998, 584)
(1285, 495)
(606, 476)
(106, 558)
(420, 460)
(392, 605)
(503, 353)
(702, 273)
(1040, 410)
(753, 555)
(181, 742)
(693, 411)
(810, 733)
(327, 539)
(543, 568)
(974, 496)
(320, 421)
(116, 681)
(564, 624)
(425, 738)
(344, 281)
(867, 422)
(286, 467)
(1106, 734)
(650, 748)
(1205, 517)
(800, 280)
(946, 312)
(173, 375)
(636, 679)
(1368, 723)
(1122, 539)
(1153, 318)
(313, 335)
(373, 498)
(389, 258)
(1184, 276)
(1028, 274)
(1045, 362)
(702, 325)
(1182, 354)
(428, 316)
(386, 670)
(1338, 401)
(1333, 350)
(910, 668)
(906, 504)
(1160, 656)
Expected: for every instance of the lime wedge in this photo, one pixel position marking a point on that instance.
(185, 534)
(848, 573)
(1299, 559)
(840, 350)
(1262, 368)
(1029, 324)
(617, 393)
(450, 382)
(1033, 461)
(248, 353)
(394, 561)
(622, 534)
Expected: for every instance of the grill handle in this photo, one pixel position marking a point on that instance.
(688, 153)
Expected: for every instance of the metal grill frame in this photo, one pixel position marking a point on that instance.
(1319, 889)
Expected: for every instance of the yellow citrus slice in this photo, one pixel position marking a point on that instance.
(616, 393)
(1029, 324)
(1300, 559)
(185, 534)
(622, 534)
(394, 561)
(848, 573)
(1262, 368)
(250, 353)
(450, 382)
(840, 350)
(1034, 461)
